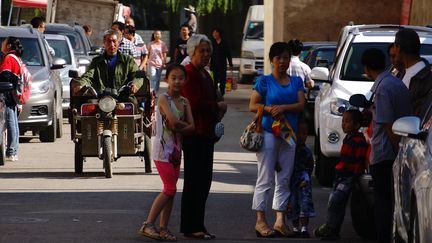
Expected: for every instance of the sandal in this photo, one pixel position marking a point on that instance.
(166, 235)
(150, 231)
(263, 231)
(283, 231)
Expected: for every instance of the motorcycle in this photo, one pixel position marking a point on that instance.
(107, 125)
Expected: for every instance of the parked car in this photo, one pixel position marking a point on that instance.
(345, 78)
(252, 47)
(308, 45)
(318, 56)
(81, 45)
(63, 49)
(412, 173)
(42, 113)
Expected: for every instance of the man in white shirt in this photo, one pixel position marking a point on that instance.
(418, 75)
(297, 67)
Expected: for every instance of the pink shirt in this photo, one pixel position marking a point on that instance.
(156, 51)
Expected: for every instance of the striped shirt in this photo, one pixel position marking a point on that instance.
(353, 155)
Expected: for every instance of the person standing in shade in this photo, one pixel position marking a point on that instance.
(198, 147)
(218, 64)
(417, 75)
(282, 99)
(391, 100)
(180, 51)
(125, 46)
(141, 59)
(157, 52)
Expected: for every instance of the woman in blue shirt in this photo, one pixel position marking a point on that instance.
(282, 97)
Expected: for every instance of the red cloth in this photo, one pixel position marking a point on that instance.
(201, 94)
(10, 64)
(169, 174)
(353, 154)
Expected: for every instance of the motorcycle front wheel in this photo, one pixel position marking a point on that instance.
(107, 156)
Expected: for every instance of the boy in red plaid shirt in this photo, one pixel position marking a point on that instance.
(350, 166)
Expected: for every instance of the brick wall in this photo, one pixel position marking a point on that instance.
(320, 20)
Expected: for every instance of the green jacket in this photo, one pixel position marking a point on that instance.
(97, 74)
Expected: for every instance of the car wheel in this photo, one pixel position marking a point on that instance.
(324, 166)
(3, 142)
(414, 233)
(50, 133)
(60, 124)
(362, 213)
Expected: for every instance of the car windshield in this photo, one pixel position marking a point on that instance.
(61, 50)
(352, 69)
(32, 55)
(74, 38)
(304, 53)
(319, 55)
(255, 31)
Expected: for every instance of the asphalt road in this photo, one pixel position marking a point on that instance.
(42, 200)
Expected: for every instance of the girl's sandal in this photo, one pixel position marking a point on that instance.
(166, 235)
(150, 231)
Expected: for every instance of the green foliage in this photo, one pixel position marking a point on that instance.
(205, 6)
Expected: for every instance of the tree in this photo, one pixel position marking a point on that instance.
(205, 6)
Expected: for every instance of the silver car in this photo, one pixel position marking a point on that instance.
(64, 50)
(412, 172)
(42, 114)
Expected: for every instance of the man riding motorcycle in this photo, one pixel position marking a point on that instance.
(111, 69)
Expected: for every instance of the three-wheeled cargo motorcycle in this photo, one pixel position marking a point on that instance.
(107, 124)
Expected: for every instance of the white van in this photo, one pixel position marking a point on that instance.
(252, 48)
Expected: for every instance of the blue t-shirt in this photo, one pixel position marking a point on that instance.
(275, 94)
(391, 101)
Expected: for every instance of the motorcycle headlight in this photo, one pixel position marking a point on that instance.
(339, 106)
(107, 104)
(40, 87)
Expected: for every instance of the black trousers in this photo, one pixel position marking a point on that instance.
(198, 171)
(382, 177)
(219, 75)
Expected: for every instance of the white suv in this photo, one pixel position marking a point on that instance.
(345, 78)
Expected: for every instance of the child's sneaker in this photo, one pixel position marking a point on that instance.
(325, 232)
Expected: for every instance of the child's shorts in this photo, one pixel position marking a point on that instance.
(169, 173)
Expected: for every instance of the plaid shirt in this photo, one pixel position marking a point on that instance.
(353, 155)
(127, 47)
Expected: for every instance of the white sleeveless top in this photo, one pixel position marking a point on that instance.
(167, 143)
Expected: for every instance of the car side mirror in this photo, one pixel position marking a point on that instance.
(359, 100)
(5, 87)
(409, 126)
(58, 63)
(320, 74)
(73, 74)
(95, 50)
(83, 62)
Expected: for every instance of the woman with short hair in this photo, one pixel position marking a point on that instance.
(198, 147)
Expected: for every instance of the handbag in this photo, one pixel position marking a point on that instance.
(252, 138)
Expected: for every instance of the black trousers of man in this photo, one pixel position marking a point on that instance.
(198, 172)
(382, 176)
